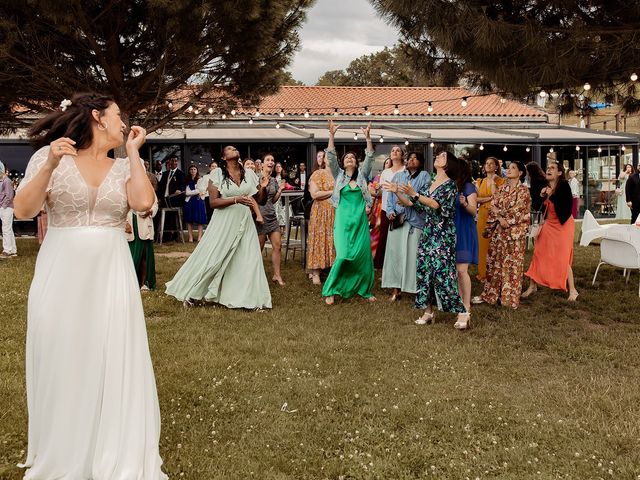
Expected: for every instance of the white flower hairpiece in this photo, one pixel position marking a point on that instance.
(64, 104)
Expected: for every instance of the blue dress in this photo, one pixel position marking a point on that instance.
(194, 209)
(466, 230)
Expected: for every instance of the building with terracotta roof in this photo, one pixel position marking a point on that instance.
(292, 124)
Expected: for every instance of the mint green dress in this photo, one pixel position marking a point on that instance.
(226, 267)
(352, 271)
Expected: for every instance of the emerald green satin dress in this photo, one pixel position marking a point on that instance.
(352, 271)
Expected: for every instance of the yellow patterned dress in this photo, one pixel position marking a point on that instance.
(485, 189)
(320, 250)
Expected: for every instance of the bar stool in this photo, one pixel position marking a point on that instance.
(177, 211)
(298, 221)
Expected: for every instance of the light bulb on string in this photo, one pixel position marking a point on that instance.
(257, 112)
(335, 112)
(281, 113)
(481, 146)
(250, 121)
(542, 94)
(430, 107)
(224, 116)
(406, 142)
(599, 149)
(503, 100)
(577, 148)
(432, 144)
(551, 150)
(504, 149)
(170, 105)
(233, 111)
(355, 136)
(396, 110)
(197, 111)
(464, 102)
(210, 110)
(277, 124)
(623, 148)
(381, 139)
(190, 109)
(587, 87)
(634, 77)
(306, 113)
(366, 111)
(527, 149)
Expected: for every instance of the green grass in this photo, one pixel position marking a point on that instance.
(307, 391)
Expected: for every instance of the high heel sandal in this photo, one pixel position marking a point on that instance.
(426, 319)
(279, 281)
(187, 304)
(329, 300)
(463, 322)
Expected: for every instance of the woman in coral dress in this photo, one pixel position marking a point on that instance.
(553, 252)
(320, 250)
(91, 392)
(486, 188)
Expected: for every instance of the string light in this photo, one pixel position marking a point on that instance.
(170, 104)
(355, 136)
(396, 110)
(406, 142)
(224, 116)
(542, 94)
(381, 139)
(197, 111)
(430, 107)
(190, 109)
(551, 150)
(464, 102)
(623, 148)
(233, 111)
(306, 114)
(250, 121)
(481, 147)
(335, 112)
(366, 111)
(277, 124)
(577, 148)
(503, 100)
(210, 111)
(587, 86)
(527, 149)
(599, 149)
(432, 144)
(505, 148)
(281, 113)
(634, 77)
(257, 112)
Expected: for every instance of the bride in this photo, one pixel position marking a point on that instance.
(91, 392)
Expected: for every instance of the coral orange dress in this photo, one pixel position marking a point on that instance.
(553, 252)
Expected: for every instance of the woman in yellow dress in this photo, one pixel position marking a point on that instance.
(486, 188)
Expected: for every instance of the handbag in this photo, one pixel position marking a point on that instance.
(397, 222)
(537, 221)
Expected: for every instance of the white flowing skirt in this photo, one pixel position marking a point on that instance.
(91, 392)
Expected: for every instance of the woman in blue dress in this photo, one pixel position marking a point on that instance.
(466, 234)
(195, 212)
(436, 277)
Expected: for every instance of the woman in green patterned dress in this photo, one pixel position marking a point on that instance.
(352, 271)
(436, 276)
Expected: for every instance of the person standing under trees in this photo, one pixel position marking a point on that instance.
(436, 279)
(553, 250)
(91, 392)
(195, 212)
(507, 226)
(397, 165)
(486, 188)
(217, 269)
(466, 231)
(320, 250)
(270, 227)
(9, 248)
(399, 269)
(352, 272)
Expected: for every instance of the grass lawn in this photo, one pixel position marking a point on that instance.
(356, 390)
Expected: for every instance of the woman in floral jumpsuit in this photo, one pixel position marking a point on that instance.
(437, 282)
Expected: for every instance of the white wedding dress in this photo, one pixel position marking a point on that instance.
(91, 392)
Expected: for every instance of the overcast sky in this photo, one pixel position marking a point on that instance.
(336, 32)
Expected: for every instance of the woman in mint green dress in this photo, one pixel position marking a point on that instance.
(226, 267)
(352, 271)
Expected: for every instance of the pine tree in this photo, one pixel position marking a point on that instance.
(523, 46)
(143, 52)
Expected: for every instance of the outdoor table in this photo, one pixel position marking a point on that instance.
(592, 230)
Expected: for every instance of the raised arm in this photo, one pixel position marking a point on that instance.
(368, 154)
(140, 193)
(332, 158)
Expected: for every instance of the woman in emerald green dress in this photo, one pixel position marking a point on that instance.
(352, 271)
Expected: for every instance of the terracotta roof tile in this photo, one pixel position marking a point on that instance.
(412, 101)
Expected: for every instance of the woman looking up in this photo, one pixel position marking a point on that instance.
(270, 226)
(91, 393)
(437, 280)
(352, 272)
(195, 213)
(486, 188)
(217, 269)
(553, 251)
(320, 250)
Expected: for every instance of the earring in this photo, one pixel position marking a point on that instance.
(102, 127)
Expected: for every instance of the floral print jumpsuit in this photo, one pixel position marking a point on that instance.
(437, 282)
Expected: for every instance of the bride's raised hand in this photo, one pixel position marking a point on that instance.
(58, 149)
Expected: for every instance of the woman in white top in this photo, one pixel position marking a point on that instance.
(91, 392)
(623, 212)
(575, 192)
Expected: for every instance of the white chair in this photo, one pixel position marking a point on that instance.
(619, 253)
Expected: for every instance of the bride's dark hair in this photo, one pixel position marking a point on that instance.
(225, 173)
(75, 122)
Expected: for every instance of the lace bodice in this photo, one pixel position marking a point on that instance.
(71, 202)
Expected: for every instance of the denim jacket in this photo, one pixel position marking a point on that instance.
(342, 180)
(414, 217)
